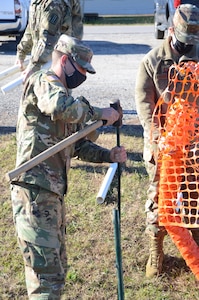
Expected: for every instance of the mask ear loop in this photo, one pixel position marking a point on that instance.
(71, 61)
(75, 69)
(173, 39)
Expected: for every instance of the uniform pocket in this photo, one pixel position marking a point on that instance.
(45, 210)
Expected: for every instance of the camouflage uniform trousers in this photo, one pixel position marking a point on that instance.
(44, 258)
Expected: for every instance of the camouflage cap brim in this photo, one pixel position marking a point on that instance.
(85, 65)
(78, 50)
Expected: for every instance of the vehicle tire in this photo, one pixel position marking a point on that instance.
(159, 35)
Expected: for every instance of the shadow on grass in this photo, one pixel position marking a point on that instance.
(135, 156)
(135, 130)
(98, 169)
(7, 129)
(174, 266)
(141, 171)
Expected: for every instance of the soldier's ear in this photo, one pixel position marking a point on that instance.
(63, 59)
(170, 31)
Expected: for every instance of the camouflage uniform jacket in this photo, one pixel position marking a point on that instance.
(77, 17)
(151, 81)
(47, 115)
(48, 19)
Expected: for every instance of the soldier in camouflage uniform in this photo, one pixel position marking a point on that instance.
(152, 79)
(48, 19)
(47, 115)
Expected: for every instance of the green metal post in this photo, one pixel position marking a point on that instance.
(117, 235)
(116, 215)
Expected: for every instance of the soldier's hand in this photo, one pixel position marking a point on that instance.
(118, 154)
(110, 115)
(20, 63)
(26, 73)
(116, 106)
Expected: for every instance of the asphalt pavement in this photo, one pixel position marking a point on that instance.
(118, 50)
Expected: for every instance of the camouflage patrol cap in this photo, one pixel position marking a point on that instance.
(186, 24)
(79, 52)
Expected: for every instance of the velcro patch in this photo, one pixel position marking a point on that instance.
(53, 19)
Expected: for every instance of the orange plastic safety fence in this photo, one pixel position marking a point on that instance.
(179, 148)
(177, 119)
(187, 247)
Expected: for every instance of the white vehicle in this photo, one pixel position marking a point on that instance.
(163, 14)
(13, 18)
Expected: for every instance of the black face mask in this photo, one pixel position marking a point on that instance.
(75, 79)
(182, 48)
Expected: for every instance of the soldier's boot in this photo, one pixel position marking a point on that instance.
(156, 255)
(195, 235)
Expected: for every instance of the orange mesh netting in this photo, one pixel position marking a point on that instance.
(179, 143)
(178, 125)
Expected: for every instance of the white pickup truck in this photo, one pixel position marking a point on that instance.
(13, 17)
(163, 14)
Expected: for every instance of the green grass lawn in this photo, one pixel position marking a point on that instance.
(113, 20)
(91, 253)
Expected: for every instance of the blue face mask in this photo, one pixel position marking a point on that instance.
(75, 79)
